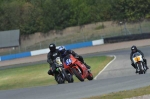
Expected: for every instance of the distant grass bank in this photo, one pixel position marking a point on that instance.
(125, 94)
(36, 75)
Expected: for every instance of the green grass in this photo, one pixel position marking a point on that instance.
(124, 94)
(36, 75)
(25, 77)
(97, 63)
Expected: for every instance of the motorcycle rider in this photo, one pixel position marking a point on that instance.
(134, 50)
(51, 56)
(65, 52)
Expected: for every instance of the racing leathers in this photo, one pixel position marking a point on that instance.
(51, 56)
(131, 54)
(80, 58)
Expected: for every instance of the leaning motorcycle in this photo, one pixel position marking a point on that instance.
(76, 67)
(60, 74)
(139, 63)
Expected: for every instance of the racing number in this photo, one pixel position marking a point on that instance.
(68, 61)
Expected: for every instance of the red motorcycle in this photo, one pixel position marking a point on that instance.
(74, 66)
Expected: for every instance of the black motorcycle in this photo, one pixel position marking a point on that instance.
(139, 63)
(60, 74)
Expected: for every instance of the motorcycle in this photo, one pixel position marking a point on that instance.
(139, 63)
(60, 74)
(74, 66)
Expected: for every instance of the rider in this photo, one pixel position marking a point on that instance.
(65, 52)
(134, 50)
(51, 57)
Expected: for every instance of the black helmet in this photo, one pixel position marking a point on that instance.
(52, 47)
(133, 48)
(62, 50)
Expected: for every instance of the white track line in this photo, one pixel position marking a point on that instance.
(105, 67)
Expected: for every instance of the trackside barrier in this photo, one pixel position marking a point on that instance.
(14, 56)
(98, 42)
(78, 45)
(130, 37)
(44, 51)
(38, 52)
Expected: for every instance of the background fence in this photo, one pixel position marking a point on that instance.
(87, 33)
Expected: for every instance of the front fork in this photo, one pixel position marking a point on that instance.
(137, 65)
(142, 66)
(79, 70)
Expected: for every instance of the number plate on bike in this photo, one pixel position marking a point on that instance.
(68, 61)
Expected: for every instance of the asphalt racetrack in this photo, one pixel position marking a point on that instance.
(117, 76)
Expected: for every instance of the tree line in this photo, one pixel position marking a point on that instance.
(32, 16)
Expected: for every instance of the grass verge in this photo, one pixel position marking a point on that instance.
(36, 75)
(124, 94)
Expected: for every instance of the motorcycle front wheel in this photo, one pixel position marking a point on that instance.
(59, 79)
(78, 75)
(142, 71)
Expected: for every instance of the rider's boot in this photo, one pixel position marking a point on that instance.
(146, 67)
(135, 68)
(87, 66)
(133, 65)
(50, 72)
(136, 71)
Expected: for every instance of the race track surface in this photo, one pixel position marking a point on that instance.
(118, 76)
